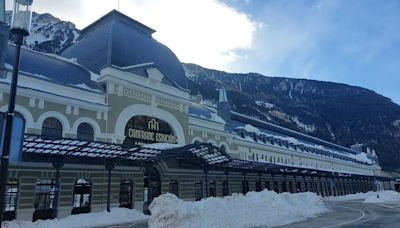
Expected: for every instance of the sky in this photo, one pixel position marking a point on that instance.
(356, 42)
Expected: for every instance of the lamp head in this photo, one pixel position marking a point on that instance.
(21, 17)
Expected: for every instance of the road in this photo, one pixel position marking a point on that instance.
(348, 214)
(354, 214)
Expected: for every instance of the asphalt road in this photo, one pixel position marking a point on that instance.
(354, 214)
(348, 214)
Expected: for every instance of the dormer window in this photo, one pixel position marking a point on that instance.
(254, 137)
(286, 144)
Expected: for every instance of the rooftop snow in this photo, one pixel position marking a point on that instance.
(54, 69)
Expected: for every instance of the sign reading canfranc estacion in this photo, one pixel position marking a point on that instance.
(141, 130)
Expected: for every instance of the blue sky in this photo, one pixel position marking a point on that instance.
(356, 42)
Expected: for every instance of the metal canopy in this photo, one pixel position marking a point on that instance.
(204, 153)
(89, 152)
(35, 148)
(78, 151)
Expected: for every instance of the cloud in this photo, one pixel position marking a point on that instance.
(206, 32)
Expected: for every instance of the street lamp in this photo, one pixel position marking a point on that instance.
(20, 27)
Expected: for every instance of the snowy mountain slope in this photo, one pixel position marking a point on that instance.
(335, 112)
(49, 34)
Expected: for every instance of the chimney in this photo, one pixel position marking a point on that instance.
(223, 108)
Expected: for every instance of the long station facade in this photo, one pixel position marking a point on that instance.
(110, 122)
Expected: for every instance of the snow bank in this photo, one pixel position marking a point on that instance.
(116, 216)
(265, 208)
(383, 197)
(357, 196)
(370, 197)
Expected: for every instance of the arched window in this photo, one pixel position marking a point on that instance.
(85, 132)
(51, 128)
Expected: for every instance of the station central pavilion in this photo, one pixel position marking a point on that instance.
(110, 122)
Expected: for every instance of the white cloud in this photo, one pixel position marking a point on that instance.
(206, 32)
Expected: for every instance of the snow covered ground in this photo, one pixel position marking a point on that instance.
(265, 208)
(389, 197)
(254, 209)
(116, 216)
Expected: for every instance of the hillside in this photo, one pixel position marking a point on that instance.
(335, 112)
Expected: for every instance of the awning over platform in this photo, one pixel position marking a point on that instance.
(199, 155)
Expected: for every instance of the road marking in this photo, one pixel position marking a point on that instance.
(348, 222)
(382, 205)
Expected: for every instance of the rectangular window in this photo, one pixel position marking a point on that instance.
(198, 192)
(276, 187)
(173, 187)
(45, 194)
(267, 185)
(213, 189)
(11, 200)
(258, 186)
(11, 195)
(245, 187)
(82, 196)
(290, 186)
(298, 187)
(225, 188)
(284, 188)
(125, 194)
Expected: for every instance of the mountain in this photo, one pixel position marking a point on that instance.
(335, 112)
(48, 33)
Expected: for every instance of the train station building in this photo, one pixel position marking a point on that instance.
(110, 122)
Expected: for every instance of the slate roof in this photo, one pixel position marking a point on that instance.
(118, 40)
(53, 69)
(241, 120)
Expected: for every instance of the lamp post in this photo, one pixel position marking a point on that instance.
(20, 27)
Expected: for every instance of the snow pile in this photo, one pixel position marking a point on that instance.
(370, 197)
(356, 196)
(383, 197)
(116, 216)
(265, 208)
